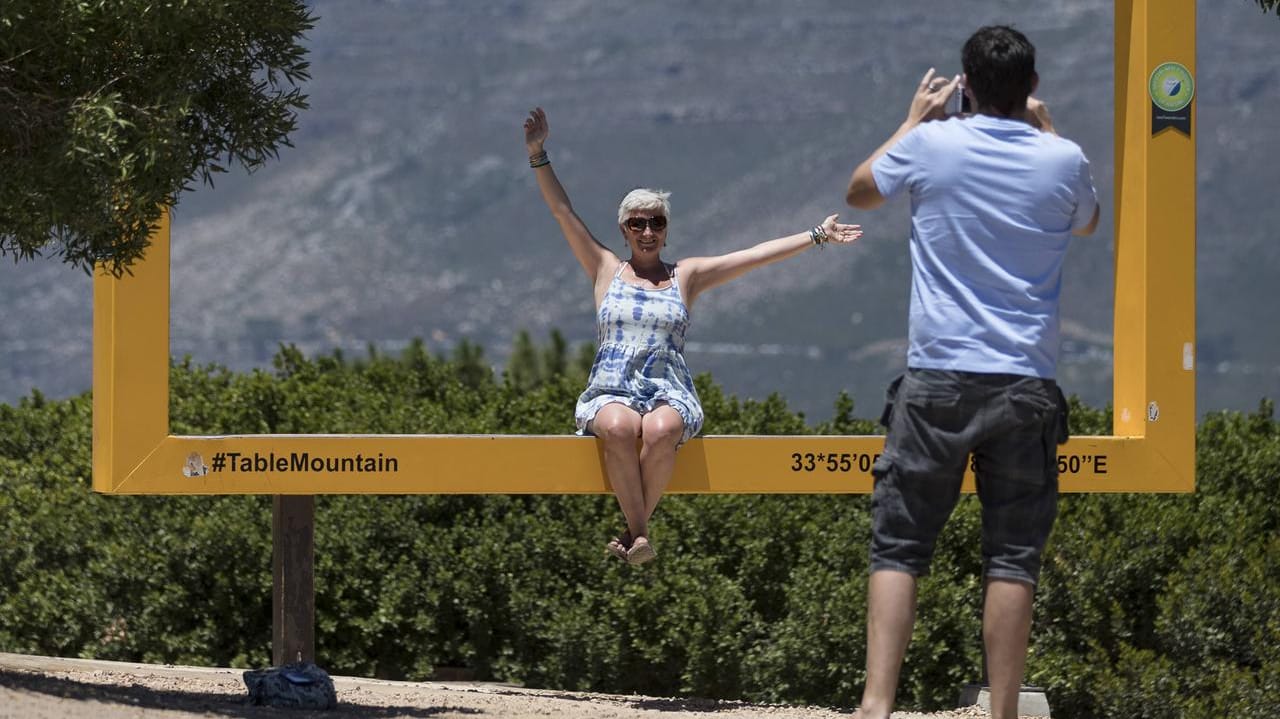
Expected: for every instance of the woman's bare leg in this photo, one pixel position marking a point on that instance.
(660, 432)
(617, 426)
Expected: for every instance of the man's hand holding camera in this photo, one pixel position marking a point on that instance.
(935, 93)
(930, 101)
(1038, 115)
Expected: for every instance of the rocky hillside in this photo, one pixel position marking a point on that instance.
(406, 208)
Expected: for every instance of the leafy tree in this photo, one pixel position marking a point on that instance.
(530, 366)
(108, 110)
(523, 366)
(469, 358)
(555, 356)
(1270, 5)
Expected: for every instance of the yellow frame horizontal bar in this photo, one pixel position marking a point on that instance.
(558, 464)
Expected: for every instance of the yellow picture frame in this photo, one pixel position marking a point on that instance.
(1152, 448)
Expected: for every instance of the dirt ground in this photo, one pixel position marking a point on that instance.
(51, 688)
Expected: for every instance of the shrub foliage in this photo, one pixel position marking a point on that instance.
(1150, 606)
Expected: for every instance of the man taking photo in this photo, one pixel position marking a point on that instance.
(995, 197)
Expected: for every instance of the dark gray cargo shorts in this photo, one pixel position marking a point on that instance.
(937, 419)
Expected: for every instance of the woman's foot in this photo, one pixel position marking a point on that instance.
(618, 546)
(641, 551)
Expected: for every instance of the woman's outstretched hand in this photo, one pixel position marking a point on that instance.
(536, 130)
(840, 232)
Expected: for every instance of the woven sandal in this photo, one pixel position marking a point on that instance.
(615, 549)
(641, 551)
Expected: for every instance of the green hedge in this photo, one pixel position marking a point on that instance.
(1151, 606)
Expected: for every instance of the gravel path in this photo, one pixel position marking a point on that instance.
(51, 688)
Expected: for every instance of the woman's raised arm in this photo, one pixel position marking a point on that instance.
(594, 257)
(703, 273)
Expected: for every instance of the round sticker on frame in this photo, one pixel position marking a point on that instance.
(1171, 87)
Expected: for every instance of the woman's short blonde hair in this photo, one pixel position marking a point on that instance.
(642, 198)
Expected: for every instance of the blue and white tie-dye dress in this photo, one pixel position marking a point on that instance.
(640, 360)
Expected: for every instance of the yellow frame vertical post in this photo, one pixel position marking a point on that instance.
(130, 363)
(1155, 301)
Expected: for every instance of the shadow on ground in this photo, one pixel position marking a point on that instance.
(218, 703)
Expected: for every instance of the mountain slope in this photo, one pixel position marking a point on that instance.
(406, 208)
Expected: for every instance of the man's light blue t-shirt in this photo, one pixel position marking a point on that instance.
(993, 205)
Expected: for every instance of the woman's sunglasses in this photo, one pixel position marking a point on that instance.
(637, 224)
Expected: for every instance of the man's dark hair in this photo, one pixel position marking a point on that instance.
(999, 66)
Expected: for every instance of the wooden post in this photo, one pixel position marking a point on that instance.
(293, 599)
